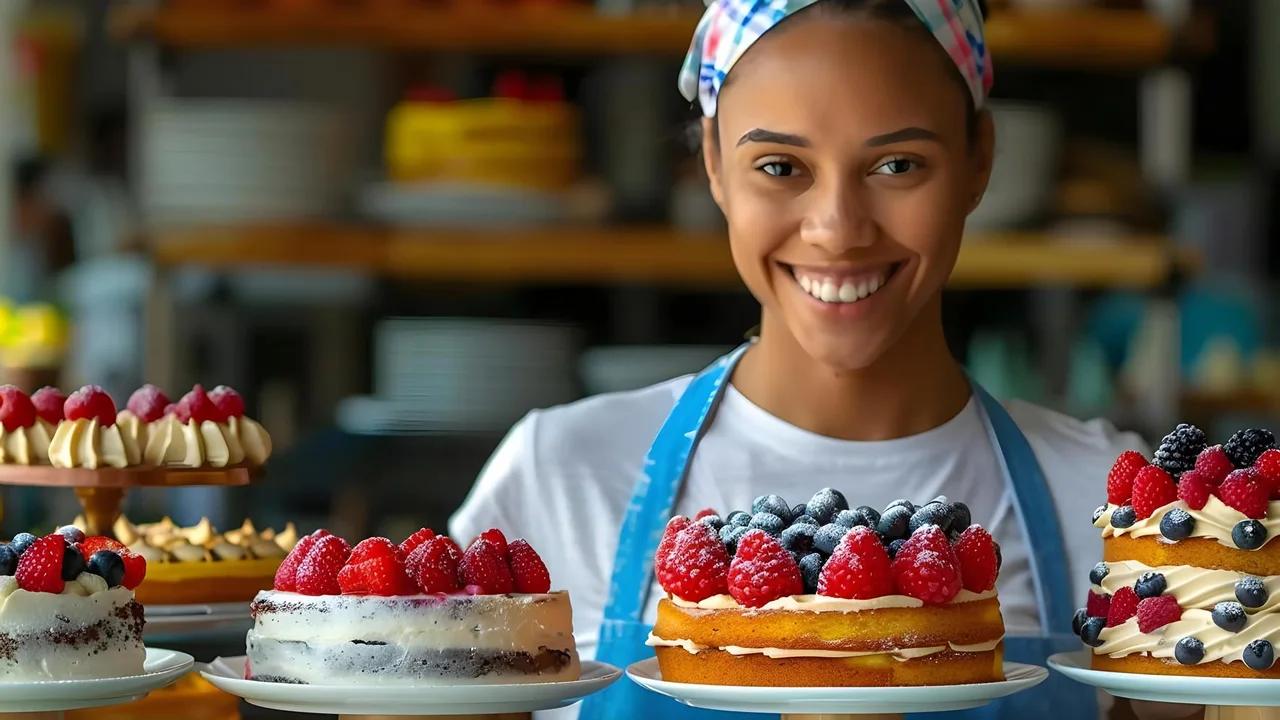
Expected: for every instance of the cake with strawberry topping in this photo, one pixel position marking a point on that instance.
(24, 437)
(824, 595)
(1190, 578)
(419, 612)
(67, 609)
(88, 437)
(201, 429)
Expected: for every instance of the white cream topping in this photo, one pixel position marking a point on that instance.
(132, 427)
(253, 438)
(901, 654)
(88, 444)
(192, 444)
(1215, 520)
(1219, 645)
(497, 622)
(1192, 587)
(820, 603)
(25, 446)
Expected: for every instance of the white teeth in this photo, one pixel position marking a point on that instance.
(826, 290)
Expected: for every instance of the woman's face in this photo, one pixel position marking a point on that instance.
(844, 167)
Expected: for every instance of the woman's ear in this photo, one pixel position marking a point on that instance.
(711, 159)
(984, 152)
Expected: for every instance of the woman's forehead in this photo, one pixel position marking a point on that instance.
(822, 76)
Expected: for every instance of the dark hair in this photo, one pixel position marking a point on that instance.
(897, 12)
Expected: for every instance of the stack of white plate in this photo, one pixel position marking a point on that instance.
(242, 161)
(459, 374)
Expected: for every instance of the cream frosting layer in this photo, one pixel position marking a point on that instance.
(25, 446)
(133, 427)
(820, 603)
(88, 444)
(1219, 645)
(901, 654)
(1215, 520)
(192, 444)
(31, 620)
(492, 622)
(1192, 587)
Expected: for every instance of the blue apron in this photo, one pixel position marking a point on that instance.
(623, 632)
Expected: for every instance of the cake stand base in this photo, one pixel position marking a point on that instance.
(1225, 712)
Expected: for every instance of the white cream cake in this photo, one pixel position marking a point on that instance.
(412, 639)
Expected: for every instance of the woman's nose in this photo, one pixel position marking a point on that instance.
(837, 218)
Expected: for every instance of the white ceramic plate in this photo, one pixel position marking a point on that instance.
(227, 675)
(159, 669)
(841, 700)
(1169, 688)
(196, 619)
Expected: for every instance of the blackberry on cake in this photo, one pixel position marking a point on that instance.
(1247, 445)
(1179, 449)
(834, 600)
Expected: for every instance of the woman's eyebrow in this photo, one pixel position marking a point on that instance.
(769, 136)
(903, 135)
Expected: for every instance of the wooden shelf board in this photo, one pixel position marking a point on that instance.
(642, 255)
(1073, 37)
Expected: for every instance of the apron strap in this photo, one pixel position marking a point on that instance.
(654, 496)
(1036, 512)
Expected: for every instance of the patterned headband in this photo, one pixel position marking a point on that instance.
(729, 27)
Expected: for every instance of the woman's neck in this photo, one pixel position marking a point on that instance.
(915, 386)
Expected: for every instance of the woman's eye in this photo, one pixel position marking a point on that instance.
(779, 169)
(896, 166)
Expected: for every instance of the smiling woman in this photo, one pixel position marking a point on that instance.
(846, 143)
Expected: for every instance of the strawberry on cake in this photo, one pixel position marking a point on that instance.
(88, 436)
(1190, 578)
(67, 609)
(420, 612)
(24, 438)
(821, 595)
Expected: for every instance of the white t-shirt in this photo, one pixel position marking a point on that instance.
(563, 477)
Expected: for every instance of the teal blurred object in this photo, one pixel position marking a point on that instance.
(1207, 310)
(1000, 362)
(1090, 391)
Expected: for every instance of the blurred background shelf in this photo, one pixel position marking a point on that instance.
(1089, 37)
(641, 255)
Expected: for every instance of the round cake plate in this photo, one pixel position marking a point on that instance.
(160, 668)
(227, 674)
(795, 703)
(101, 491)
(185, 620)
(1224, 698)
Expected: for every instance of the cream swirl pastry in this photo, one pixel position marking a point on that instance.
(146, 405)
(88, 437)
(24, 439)
(207, 429)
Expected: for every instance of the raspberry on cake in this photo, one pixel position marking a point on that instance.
(204, 429)
(67, 609)
(422, 611)
(88, 436)
(821, 594)
(24, 437)
(1189, 571)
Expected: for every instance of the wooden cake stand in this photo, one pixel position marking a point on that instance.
(102, 491)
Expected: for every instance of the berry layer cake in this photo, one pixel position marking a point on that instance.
(421, 612)
(65, 617)
(1190, 578)
(821, 595)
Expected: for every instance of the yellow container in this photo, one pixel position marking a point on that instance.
(491, 141)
